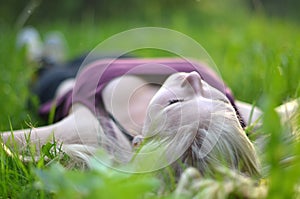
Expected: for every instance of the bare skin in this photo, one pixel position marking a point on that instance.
(127, 98)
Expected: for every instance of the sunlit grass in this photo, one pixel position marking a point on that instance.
(258, 57)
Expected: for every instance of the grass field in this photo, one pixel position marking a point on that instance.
(258, 57)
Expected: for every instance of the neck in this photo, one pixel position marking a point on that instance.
(126, 99)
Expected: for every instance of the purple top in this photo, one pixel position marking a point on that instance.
(93, 78)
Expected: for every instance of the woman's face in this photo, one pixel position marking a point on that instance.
(183, 99)
(185, 118)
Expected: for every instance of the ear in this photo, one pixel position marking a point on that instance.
(194, 80)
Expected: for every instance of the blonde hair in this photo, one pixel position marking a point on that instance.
(232, 149)
(289, 113)
(222, 142)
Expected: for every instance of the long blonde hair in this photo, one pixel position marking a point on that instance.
(223, 142)
(232, 149)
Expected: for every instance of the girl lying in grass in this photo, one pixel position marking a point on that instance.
(119, 105)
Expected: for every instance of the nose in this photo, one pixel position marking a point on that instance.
(194, 80)
(194, 75)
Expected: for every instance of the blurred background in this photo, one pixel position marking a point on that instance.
(43, 11)
(254, 43)
(251, 41)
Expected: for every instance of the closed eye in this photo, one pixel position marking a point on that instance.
(173, 101)
(222, 100)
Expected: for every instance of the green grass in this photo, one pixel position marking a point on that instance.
(258, 57)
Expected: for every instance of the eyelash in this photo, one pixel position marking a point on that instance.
(173, 101)
(222, 100)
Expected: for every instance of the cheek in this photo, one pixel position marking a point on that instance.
(170, 92)
(152, 124)
(160, 98)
